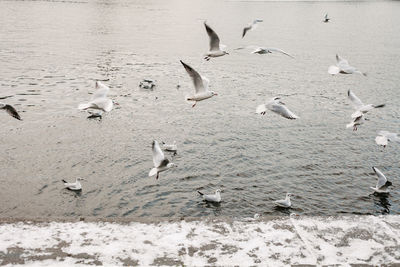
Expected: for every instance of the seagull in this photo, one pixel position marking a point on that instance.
(342, 66)
(278, 107)
(76, 186)
(160, 162)
(382, 184)
(99, 99)
(200, 85)
(170, 148)
(269, 50)
(10, 110)
(326, 19)
(356, 121)
(359, 106)
(251, 26)
(284, 203)
(212, 198)
(384, 136)
(215, 47)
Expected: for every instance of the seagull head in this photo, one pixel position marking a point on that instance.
(225, 53)
(213, 93)
(289, 194)
(217, 191)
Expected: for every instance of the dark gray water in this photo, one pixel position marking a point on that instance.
(51, 52)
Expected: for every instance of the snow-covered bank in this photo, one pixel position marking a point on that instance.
(296, 240)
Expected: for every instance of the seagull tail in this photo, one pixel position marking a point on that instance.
(200, 193)
(84, 106)
(64, 181)
(153, 172)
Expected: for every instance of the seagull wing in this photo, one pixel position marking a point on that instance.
(158, 156)
(355, 100)
(102, 90)
(341, 61)
(200, 83)
(104, 103)
(283, 111)
(245, 30)
(12, 111)
(272, 49)
(333, 70)
(381, 178)
(214, 39)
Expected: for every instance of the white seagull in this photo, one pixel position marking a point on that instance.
(215, 46)
(170, 147)
(359, 106)
(342, 66)
(326, 19)
(76, 186)
(269, 50)
(385, 136)
(356, 121)
(10, 110)
(99, 99)
(382, 184)
(212, 198)
(284, 203)
(200, 85)
(160, 162)
(251, 26)
(278, 107)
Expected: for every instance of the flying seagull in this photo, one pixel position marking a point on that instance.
(76, 186)
(342, 66)
(10, 110)
(384, 136)
(359, 106)
(326, 19)
(356, 121)
(216, 49)
(278, 107)
(264, 50)
(200, 85)
(160, 162)
(382, 184)
(284, 203)
(212, 198)
(99, 99)
(251, 26)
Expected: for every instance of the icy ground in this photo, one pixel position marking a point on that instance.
(318, 241)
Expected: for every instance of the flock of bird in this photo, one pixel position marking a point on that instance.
(100, 102)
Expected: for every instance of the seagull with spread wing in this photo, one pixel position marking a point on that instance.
(382, 184)
(99, 99)
(326, 19)
(275, 105)
(251, 26)
(359, 106)
(161, 163)
(342, 66)
(385, 136)
(216, 49)
(200, 85)
(10, 110)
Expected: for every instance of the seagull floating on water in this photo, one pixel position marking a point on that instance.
(76, 186)
(212, 198)
(200, 85)
(251, 26)
(342, 66)
(275, 105)
(384, 136)
(10, 110)
(161, 163)
(382, 184)
(326, 19)
(170, 147)
(284, 203)
(99, 99)
(359, 106)
(216, 49)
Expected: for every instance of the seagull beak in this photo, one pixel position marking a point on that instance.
(116, 103)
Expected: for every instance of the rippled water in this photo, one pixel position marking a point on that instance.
(51, 53)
